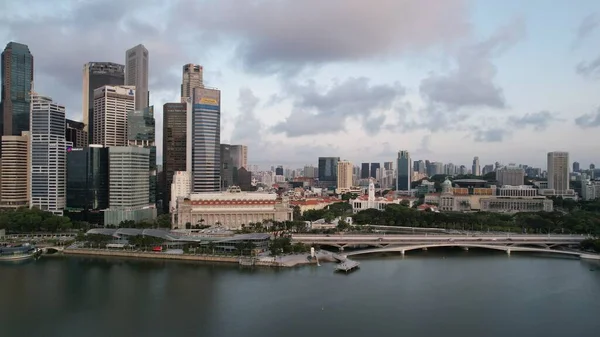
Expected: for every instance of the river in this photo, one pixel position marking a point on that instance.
(436, 293)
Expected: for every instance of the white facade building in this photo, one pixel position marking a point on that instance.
(111, 107)
(180, 188)
(370, 201)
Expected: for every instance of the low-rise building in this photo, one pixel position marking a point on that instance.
(510, 204)
(369, 201)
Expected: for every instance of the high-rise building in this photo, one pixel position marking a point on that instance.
(204, 140)
(575, 166)
(192, 78)
(111, 106)
(48, 155)
(239, 155)
(309, 171)
(136, 74)
(279, 170)
(15, 182)
(364, 171)
(174, 143)
(510, 175)
(388, 165)
(420, 167)
(404, 166)
(16, 77)
(141, 133)
(344, 175)
(87, 178)
(96, 75)
(476, 168)
(76, 134)
(558, 172)
(374, 168)
(328, 171)
(227, 167)
(129, 185)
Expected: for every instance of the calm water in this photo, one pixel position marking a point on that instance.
(429, 294)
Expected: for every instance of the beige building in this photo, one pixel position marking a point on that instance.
(111, 107)
(558, 172)
(510, 175)
(136, 75)
(180, 188)
(15, 181)
(231, 209)
(192, 78)
(344, 176)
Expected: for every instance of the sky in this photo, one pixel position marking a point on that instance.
(361, 80)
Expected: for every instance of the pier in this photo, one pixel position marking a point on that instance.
(347, 265)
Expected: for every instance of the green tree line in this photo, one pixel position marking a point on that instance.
(26, 220)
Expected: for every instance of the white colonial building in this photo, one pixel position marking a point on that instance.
(370, 201)
(231, 209)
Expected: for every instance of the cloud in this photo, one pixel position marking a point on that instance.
(471, 84)
(589, 69)
(319, 110)
(491, 135)
(589, 120)
(587, 26)
(539, 120)
(247, 127)
(286, 35)
(424, 147)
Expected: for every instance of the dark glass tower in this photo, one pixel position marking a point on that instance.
(227, 167)
(141, 132)
(17, 79)
(87, 178)
(174, 145)
(328, 171)
(364, 171)
(374, 168)
(205, 137)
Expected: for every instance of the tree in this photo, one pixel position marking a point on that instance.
(163, 221)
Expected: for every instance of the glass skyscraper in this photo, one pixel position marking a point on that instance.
(87, 178)
(174, 145)
(404, 171)
(205, 140)
(328, 171)
(141, 132)
(16, 69)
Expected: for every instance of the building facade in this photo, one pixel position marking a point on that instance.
(328, 171)
(371, 202)
(375, 170)
(87, 178)
(15, 182)
(204, 138)
(192, 78)
(231, 209)
(111, 107)
(48, 155)
(404, 166)
(227, 169)
(476, 168)
(174, 144)
(136, 74)
(76, 134)
(558, 172)
(96, 75)
(510, 175)
(16, 76)
(180, 189)
(364, 171)
(344, 176)
(141, 133)
(239, 156)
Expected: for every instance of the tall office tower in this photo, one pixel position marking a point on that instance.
(174, 144)
(129, 186)
(309, 171)
(136, 74)
(111, 106)
(141, 133)
(48, 155)
(420, 167)
(364, 171)
(76, 134)
(374, 168)
(388, 165)
(575, 166)
(476, 168)
(192, 78)
(344, 175)
(404, 175)
(204, 140)
(87, 178)
(239, 155)
(15, 174)
(449, 169)
(487, 169)
(328, 171)
(16, 71)
(558, 172)
(510, 175)
(279, 170)
(96, 75)
(227, 169)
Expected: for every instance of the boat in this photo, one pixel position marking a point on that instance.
(19, 253)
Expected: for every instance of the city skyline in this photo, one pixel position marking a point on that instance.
(488, 80)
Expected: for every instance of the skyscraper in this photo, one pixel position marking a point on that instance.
(226, 167)
(141, 133)
(136, 74)
(16, 71)
(239, 156)
(204, 140)
(558, 172)
(87, 178)
(344, 176)
(364, 171)
(174, 143)
(328, 171)
(15, 179)
(76, 134)
(374, 168)
(404, 171)
(510, 175)
(96, 75)
(192, 78)
(111, 106)
(48, 155)
(575, 166)
(476, 168)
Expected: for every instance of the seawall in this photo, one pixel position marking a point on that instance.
(151, 255)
